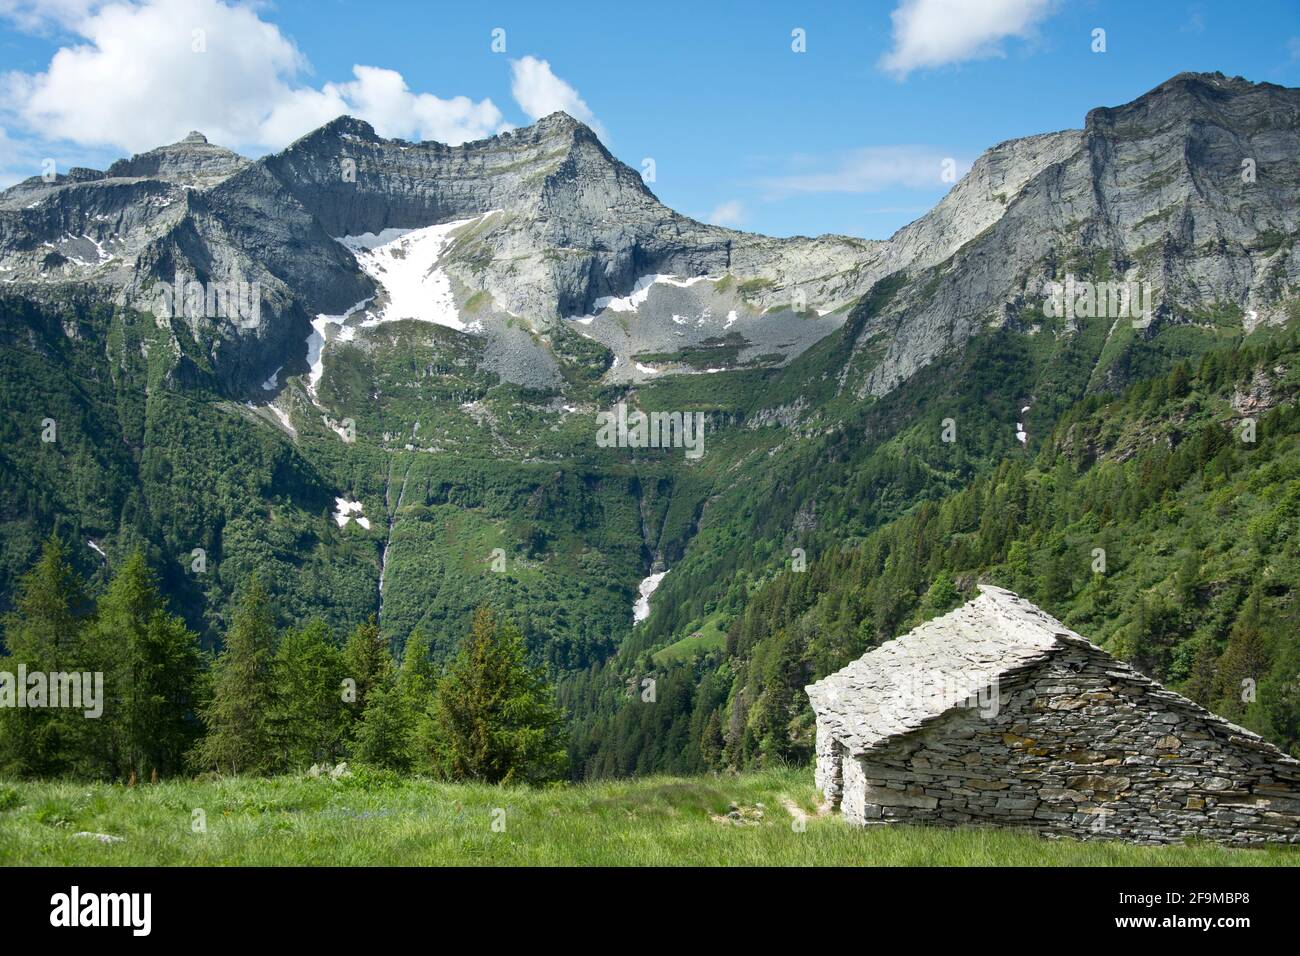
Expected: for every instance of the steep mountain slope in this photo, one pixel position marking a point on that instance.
(1154, 193)
(405, 423)
(1163, 523)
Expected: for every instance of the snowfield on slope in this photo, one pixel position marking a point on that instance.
(404, 263)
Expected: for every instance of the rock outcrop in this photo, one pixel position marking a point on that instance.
(1155, 191)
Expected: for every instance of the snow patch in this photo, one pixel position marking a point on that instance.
(317, 338)
(97, 549)
(1022, 436)
(640, 292)
(646, 369)
(404, 262)
(647, 587)
(343, 510)
(272, 383)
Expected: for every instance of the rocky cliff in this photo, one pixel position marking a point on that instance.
(1155, 191)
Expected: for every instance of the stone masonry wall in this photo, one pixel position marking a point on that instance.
(830, 758)
(1083, 746)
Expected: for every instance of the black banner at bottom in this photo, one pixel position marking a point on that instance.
(333, 905)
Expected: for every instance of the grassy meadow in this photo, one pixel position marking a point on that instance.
(373, 819)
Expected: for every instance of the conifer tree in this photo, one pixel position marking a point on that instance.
(417, 679)
(309, 717)
(367, 662)
(43, 633)
(240, 737)
(152, 671)
(1245, 659)
(383, 737)
(712, 743)
(495, 716)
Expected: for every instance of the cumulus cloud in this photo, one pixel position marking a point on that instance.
(41, 16)
(382, 98)
(539, 92)
(930, 33)
(730, 213)
(870, 169)
(145, 73)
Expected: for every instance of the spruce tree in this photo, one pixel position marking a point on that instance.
(1245, 661)
(383, 737)
(495, 716)
(309, 717)
(417, 680)
(240, 737)
(367, 661)
(43, 633)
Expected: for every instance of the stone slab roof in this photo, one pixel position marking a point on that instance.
(951, 661)
(944, 663)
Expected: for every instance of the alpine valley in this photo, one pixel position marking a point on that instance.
(371, 373)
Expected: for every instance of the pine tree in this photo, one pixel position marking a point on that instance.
(309, 719)
(367, 662)
(152, 670)
(417, 680)
(43, 633)
(240, 737)
(383, 738)
(495, 715)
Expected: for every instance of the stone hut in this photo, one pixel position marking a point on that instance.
(997, 713)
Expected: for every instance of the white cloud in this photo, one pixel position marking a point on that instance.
(871, 169)
(729, 213)
(930, 33)
(539, 92)
(136, 81)
(382, 98)
(43, 15)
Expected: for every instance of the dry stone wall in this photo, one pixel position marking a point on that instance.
(1082, 745)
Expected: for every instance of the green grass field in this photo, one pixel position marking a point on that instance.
(368, 820)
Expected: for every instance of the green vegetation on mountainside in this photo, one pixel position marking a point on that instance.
(1144, 521)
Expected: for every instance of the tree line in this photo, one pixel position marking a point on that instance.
(272, 700)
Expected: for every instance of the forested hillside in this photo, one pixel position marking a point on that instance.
(1163, 523)
(408, 430)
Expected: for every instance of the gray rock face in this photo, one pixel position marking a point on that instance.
(1154, 192)
(1154, 189)
(191, 162)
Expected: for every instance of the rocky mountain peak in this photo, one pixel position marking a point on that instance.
(192, 161)
(1188, 95)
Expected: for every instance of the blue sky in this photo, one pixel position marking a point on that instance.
(847, 136)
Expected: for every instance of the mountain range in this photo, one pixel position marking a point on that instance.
(369, 371)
